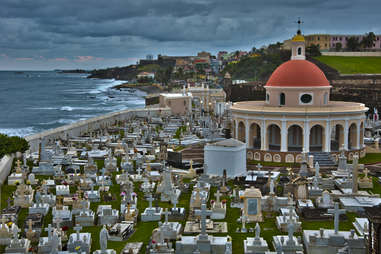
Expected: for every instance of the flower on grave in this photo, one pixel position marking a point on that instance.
(134, 194)
(17, 182)
(10, 224)
(27, 182)
(123, 194)
(224, 201)
(153, 241)
(65, 228)
(77, 248)
(212, 201)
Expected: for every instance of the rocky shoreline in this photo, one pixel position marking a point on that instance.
(148, 88)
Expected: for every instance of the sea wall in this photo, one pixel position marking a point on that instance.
(5, 167)
(81, 127)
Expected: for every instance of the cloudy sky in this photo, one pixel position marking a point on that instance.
(49, 34)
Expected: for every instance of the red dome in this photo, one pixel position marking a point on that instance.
(296, 73)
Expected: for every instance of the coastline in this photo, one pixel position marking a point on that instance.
(148, 88)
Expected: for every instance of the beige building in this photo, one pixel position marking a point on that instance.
(205, 97)
(179, 103)
(298, 115)
(322, 40)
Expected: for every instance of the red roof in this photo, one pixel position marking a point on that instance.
(296, 73)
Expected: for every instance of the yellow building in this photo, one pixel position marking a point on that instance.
(322, 40)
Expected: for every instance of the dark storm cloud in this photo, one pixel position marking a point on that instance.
(51, 34)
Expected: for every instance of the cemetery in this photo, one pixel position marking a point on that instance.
(160, 182)
(107, 206)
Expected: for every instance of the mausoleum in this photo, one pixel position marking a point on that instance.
(298, 115)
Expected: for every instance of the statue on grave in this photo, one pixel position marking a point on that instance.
(103, 237)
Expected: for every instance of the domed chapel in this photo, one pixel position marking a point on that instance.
(297, 115)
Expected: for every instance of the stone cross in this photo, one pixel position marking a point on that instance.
(49, 230)
(150, 199)
(77, 228)
(317, 169)
(217, 195)
(366, 171)
(257, 231)
(3, 221)
(336, 212)
(166, 213)
(291, 230)
(272, 186)
(203, 214)
(92, 187)
(139, 170)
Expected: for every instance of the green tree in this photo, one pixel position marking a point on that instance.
(12, 144)
(313, 50)
(368, 40)
(338, 46)
(353, 44)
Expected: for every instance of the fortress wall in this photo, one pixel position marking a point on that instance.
(81, 127)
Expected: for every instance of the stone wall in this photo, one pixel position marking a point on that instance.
(5, 167)
(92, 124)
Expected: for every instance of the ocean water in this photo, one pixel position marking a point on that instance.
(32, 101)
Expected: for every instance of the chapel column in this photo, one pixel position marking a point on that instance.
(327, 147)
(306, 136)
(283, 133)
(263, 136)
(247, 133)
(346, 130)
(358, 131)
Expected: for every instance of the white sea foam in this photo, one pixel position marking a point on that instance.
(108, 83)
(66, 108)
(18, 131)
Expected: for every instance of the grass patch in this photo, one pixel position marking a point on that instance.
(353, 65)
(370, 158)
(273, 164)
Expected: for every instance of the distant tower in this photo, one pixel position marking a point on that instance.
(149, 57)
(298, 51)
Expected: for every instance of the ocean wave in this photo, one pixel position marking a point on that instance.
(22, 132)
(103, 87)
(45, 108)
(70, 108)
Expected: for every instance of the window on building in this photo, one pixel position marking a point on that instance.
(267, 97)
(318, 38)
(299, 51)
(306, 98)
(282, 99)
